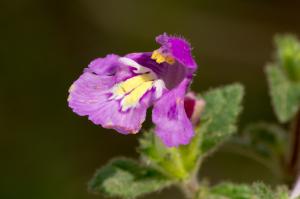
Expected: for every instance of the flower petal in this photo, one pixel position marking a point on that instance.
(172, 124)
(172, 75)
(109, 115)
(87, 93)
(89, 96)
(104, 66)
(179, 48)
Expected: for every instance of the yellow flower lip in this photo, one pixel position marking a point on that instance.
(132, 90)
(161, 58)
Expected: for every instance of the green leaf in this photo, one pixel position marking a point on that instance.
(243, 191)
(126, 178)
(265, 143)
(262, 191)
(223, 106)
(232, 191)
(285, 94)
(284, 78)
(288, 55)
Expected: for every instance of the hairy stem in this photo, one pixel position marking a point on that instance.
(190, 187)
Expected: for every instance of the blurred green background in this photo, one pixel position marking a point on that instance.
(48, 152)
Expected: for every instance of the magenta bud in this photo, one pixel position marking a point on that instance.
(194, 107)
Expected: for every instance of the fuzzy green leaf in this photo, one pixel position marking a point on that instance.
(126, 178)
(288, 55)
(223, 106)
(285, 93)
(232, 191)
(284, 78)
(243, 191)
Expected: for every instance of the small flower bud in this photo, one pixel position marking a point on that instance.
(193, 107)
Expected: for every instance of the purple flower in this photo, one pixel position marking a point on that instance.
(115, 92)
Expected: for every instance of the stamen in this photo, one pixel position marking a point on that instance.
(160, 57)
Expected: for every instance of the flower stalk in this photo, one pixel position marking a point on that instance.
(190, 187)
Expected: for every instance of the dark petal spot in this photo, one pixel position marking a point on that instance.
(173, 112)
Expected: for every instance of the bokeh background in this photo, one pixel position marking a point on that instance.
(47, 152)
